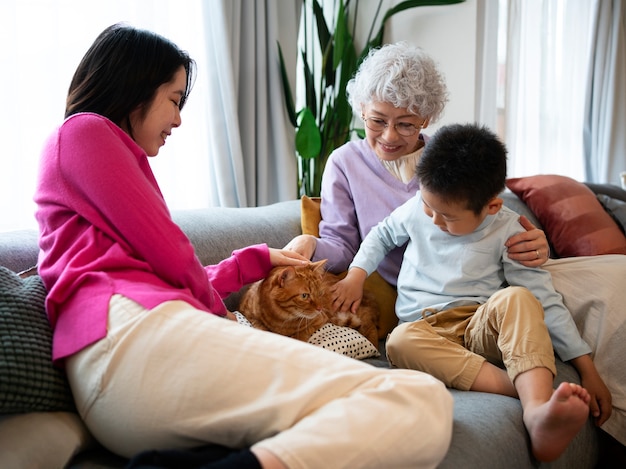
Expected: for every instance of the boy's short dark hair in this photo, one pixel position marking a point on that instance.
(464, 163)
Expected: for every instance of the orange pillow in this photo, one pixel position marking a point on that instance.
(310, 215)
(574, 220)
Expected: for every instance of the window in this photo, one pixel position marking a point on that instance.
(49, 39)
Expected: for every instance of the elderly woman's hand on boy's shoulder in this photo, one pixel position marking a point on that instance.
(530, 247)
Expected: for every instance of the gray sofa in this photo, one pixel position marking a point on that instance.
(488, 429)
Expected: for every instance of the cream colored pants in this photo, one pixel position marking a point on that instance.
(453, 344)
(176, 377)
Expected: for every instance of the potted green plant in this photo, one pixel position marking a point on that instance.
(325, 121)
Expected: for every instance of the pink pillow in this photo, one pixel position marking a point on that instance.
(574, 220)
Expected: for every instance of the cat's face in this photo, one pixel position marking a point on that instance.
(298, 292)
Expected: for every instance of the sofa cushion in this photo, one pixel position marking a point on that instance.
(28, 380)
(216, 232)
(345, 341)
(311, 215)
(574, 220)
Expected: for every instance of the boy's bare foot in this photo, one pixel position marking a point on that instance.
(554, 424)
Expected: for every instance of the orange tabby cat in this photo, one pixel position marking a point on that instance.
(294, 301)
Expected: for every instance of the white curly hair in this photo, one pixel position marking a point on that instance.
(402, 75)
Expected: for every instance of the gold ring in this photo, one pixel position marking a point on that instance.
(537, 251)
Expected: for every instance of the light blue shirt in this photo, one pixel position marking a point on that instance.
(440, 270)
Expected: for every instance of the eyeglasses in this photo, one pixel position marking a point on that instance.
(406, 129)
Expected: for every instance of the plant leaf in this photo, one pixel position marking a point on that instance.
(308, 137)
(328, 69)
(326, 43)
(342, 36)
(323, 33)
(291, 109)
(309, 87)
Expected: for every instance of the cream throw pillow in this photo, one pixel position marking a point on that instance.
(594, 290)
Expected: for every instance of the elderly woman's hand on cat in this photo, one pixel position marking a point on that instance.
(286, 257)
(303, 244)
(348, 292)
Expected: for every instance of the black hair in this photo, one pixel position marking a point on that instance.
(122, 71)
(465, 163)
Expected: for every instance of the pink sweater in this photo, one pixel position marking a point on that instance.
(105, 229)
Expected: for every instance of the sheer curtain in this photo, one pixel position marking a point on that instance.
(248, 128)
(547, 56)
(605, 115)
(47, 40)
(487, 65)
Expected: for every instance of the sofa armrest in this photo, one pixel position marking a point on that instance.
(611, 190)
(19, 249)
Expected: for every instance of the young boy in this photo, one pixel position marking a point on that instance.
(464, 306)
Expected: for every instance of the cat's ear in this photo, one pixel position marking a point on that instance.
(286, 274)
(319, 265)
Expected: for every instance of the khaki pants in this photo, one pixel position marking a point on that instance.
(176, 377)
(452, 345)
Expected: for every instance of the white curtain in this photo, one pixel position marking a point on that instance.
(487, 17)
(43, 43)
(548, 44)
(249, 135)
(605, 113)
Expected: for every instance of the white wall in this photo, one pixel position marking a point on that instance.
(449, 34)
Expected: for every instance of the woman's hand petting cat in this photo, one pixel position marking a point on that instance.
(302, 244)
(285, 257)
(530, 247)
(348, 293)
